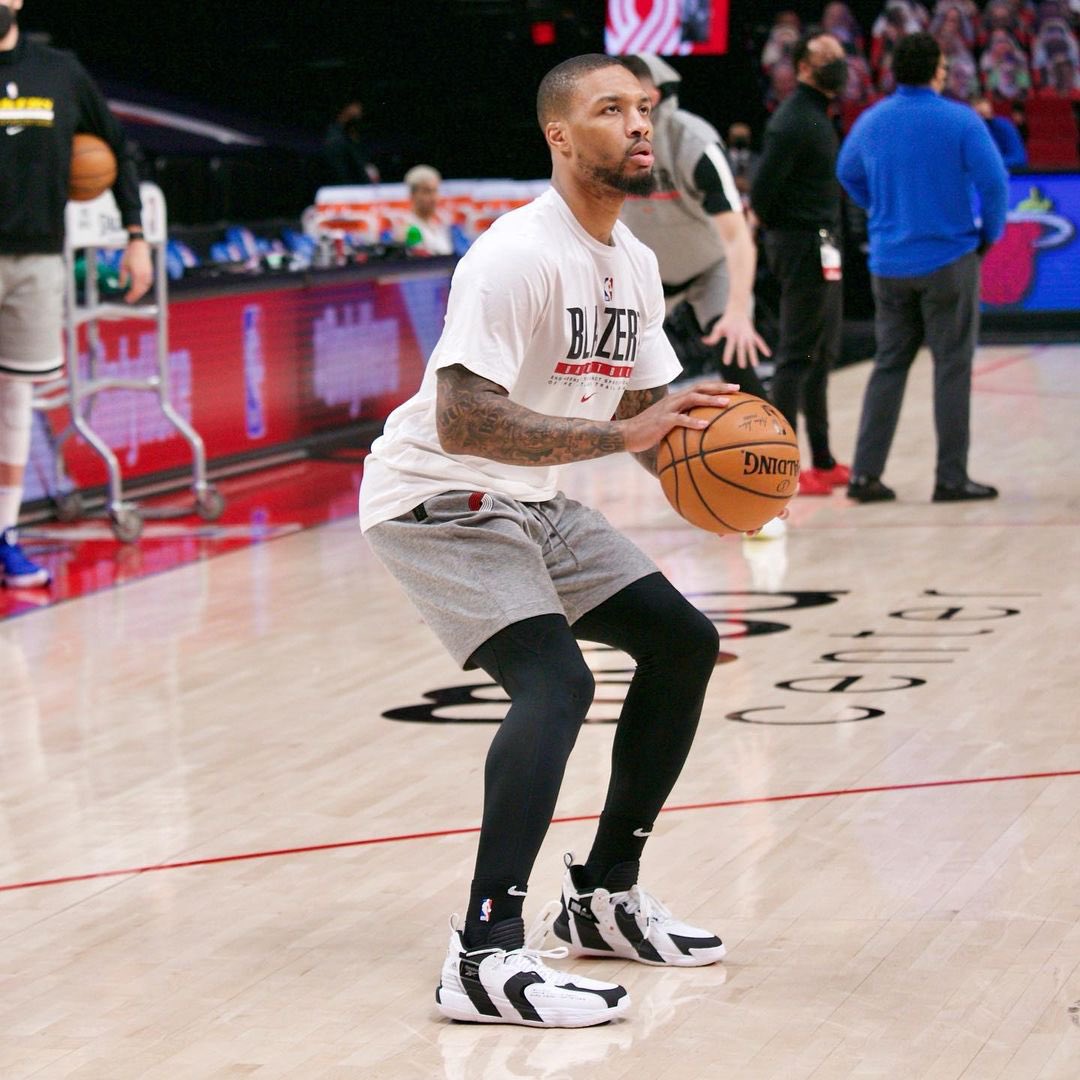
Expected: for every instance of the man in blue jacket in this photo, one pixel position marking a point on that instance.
(936, 191)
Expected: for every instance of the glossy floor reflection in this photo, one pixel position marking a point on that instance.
(239, 799)
(84, 556)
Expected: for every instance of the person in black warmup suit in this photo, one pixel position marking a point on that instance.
(796, 196)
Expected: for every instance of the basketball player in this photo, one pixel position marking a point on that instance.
(45, 98)
(553, 351)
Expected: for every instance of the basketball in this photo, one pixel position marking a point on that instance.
(737, 473)
(93, 168)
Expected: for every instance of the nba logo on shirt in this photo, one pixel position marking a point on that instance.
(485, 910)
(609, 288)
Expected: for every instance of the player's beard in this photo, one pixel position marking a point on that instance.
(643, 184)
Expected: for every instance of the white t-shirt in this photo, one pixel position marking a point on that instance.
(564, 323)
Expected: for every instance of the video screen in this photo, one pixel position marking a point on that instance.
(666, 27)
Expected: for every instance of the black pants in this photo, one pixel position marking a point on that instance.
(811, 334)
(942, 310)
(539, 664)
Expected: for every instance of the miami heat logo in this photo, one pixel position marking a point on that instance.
(1008, 271)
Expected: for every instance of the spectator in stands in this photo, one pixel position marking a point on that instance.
(951, 23)
(1055, 52)
(781, 42)
(782, 84)
(742, 156)
(1001, 15)
(425, 231)
(913, 162)
(1004, 68)
(345, 154)
(838, 20)
(1055, 9)
(50, 97)
(962, 81)
(859, 94)
(971, 11)
(899, 19)
(1004, 132)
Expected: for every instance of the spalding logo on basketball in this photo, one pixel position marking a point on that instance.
(737, 473)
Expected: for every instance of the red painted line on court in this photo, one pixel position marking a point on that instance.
(996, 365)
(438, 833)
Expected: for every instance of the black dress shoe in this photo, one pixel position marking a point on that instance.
(866, 489)
(963, 492)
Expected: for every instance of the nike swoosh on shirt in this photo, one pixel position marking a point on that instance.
(585, 397)
(15, 130)
(515, 891)
(642, 832)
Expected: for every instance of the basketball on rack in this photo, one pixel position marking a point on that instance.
(93, 167)
(736, 474)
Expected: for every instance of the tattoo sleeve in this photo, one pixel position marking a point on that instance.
(634, 402)
(476, 416)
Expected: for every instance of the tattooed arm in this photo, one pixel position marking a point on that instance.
(635, 402)
(476, 417)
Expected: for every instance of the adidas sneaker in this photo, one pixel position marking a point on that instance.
(621, 919)
(507, 982)
(16, 570)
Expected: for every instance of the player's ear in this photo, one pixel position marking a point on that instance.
(557, 137)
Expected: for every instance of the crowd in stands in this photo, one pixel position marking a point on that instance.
(1013, 53)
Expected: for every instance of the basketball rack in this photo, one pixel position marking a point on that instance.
(91, 226)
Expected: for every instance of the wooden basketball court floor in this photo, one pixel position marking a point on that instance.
(218, 858)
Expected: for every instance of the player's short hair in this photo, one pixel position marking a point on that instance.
(916, 59)
(422, 174)
(558, 85)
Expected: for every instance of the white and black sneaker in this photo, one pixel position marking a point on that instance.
(621, 919)
(507, 982)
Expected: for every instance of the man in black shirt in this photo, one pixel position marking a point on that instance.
(796, 196)
(45, 98)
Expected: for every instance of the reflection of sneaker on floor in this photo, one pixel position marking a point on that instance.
(768, 563)
(16, 570)
(507, 982)
(775, 529)
(620, 918)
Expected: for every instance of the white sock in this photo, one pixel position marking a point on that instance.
(10, 501)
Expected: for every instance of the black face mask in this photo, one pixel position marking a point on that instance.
(7, 20)
(831, 78)
(740, 144)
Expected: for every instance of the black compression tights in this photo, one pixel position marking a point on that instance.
(539, 665)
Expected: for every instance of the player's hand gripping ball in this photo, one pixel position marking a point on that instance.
(736, 474)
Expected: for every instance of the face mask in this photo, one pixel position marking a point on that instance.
(831, 78)
(740, 144)
(7, 20)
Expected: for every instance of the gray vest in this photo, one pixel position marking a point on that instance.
(672, 221)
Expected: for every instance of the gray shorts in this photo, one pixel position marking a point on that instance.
(473, 572)
(31, 315)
